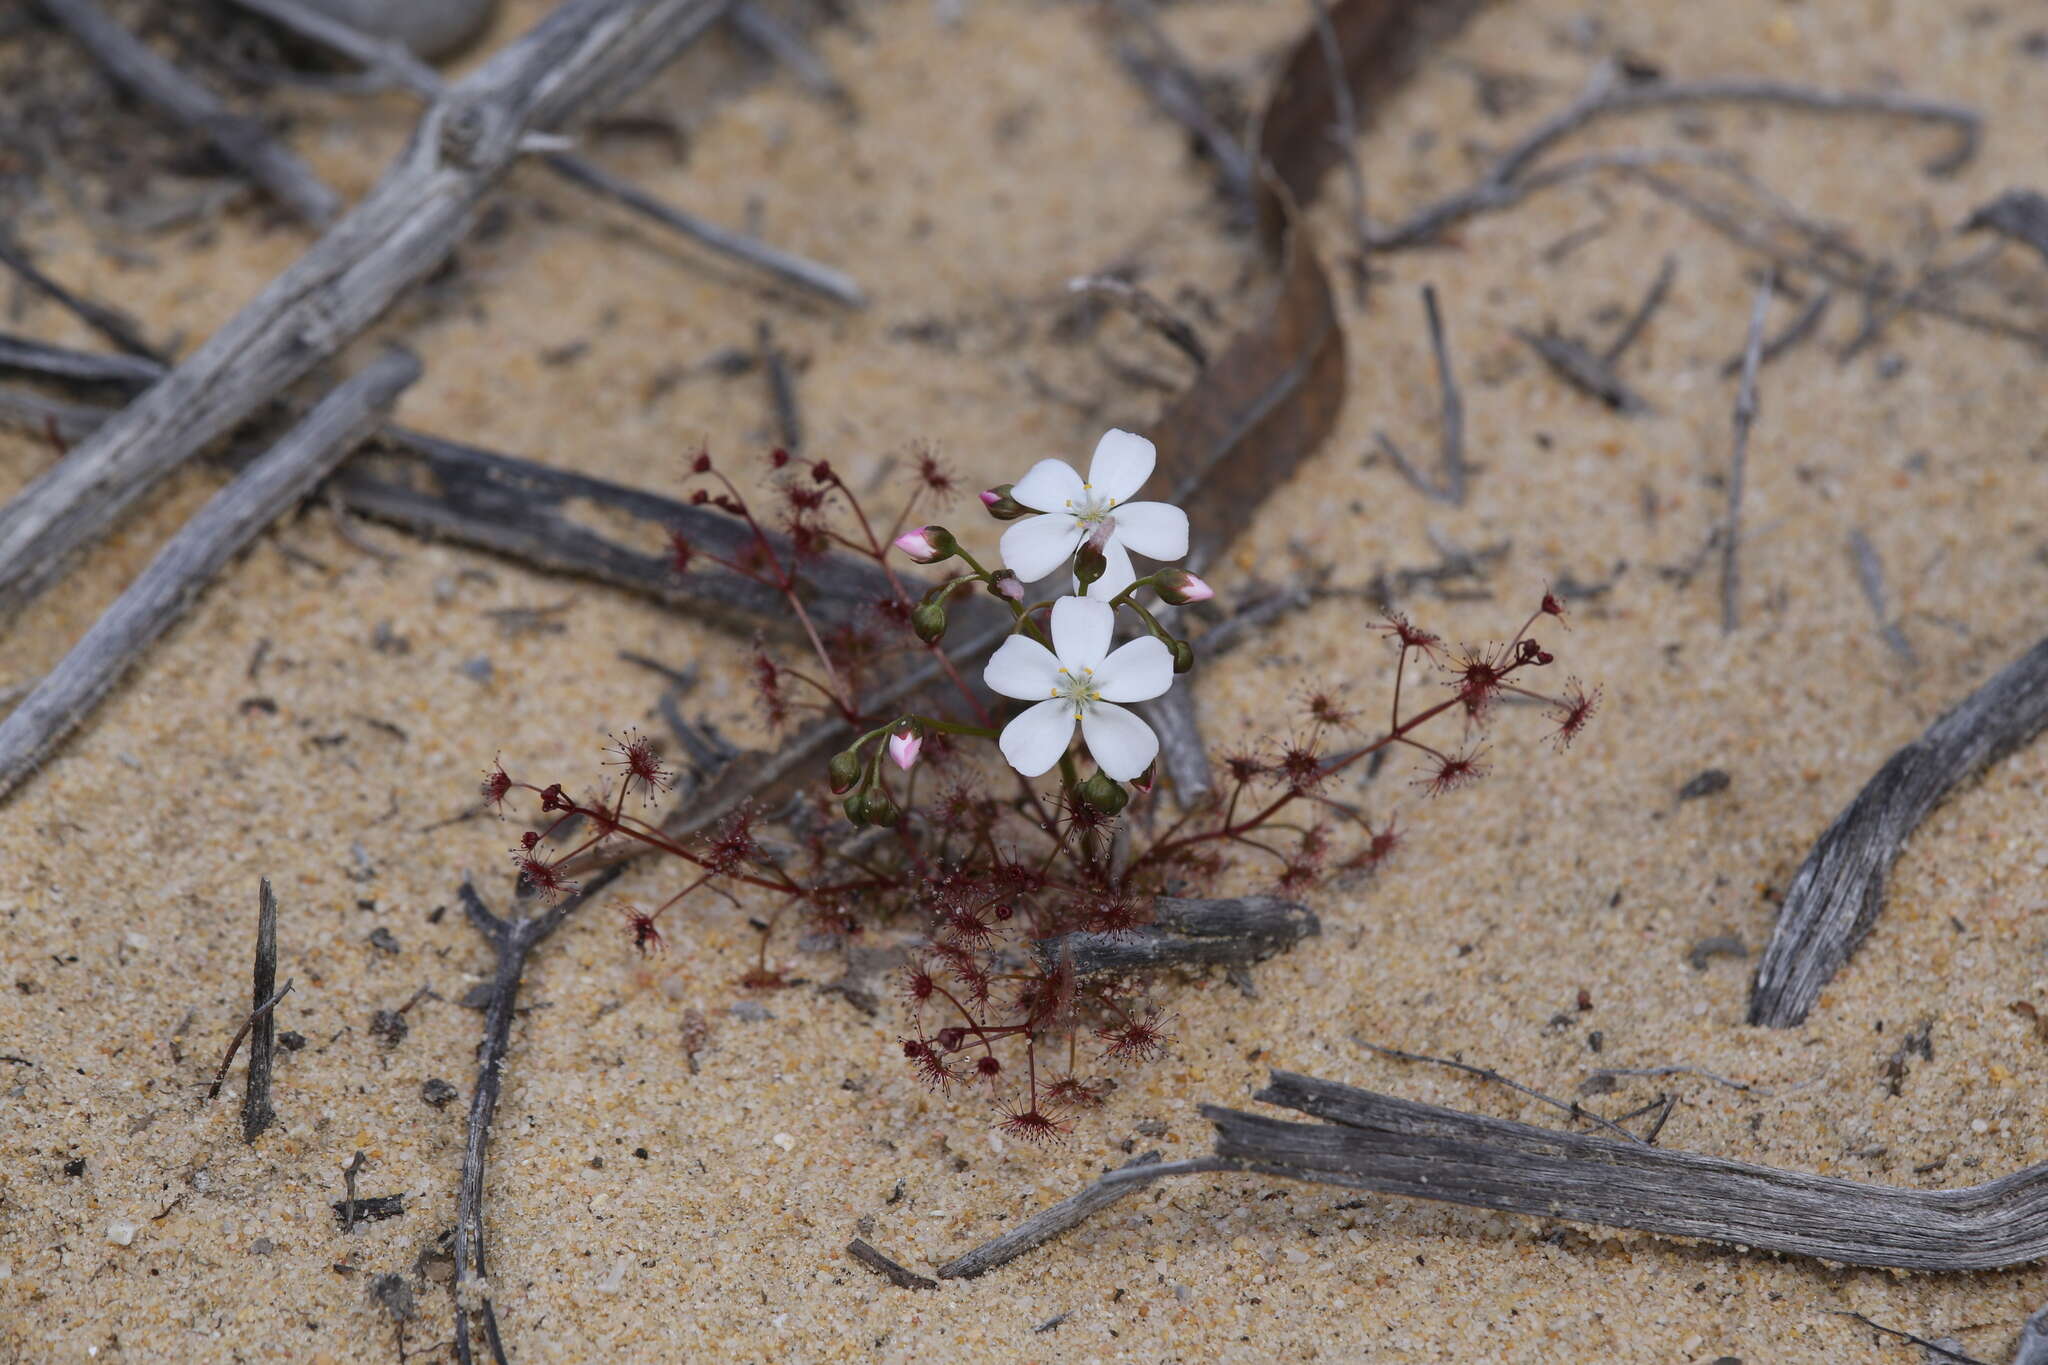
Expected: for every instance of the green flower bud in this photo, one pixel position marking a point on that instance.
(1001, 505)
(1089, 563)
(856, 810)
(1183, 655)
(879, 809)
(1104, 793)
(843, 771)
(928, 619)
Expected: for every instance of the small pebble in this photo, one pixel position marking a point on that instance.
(788, 1143)
(477, 670)
(121, 1232)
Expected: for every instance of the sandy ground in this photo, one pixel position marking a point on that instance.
(639, 1211)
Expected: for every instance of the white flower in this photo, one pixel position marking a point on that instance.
(1079, 679)
(1073, 508)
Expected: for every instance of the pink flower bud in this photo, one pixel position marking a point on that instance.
(991, 498)
(1180, 587)
(904, 749)
(926, 544)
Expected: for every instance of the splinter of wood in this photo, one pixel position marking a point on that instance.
(257, 1113)
(887, 1267)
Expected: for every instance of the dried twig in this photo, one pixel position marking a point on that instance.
(26, 356)
(1487, 1073)
(1572, 362)
(1839, 890)
(1870, 577)
(1673, 1070)
(789, 422)
(1738, 460)
(149, 606)
(784, 44)
(1796, 331)
(261, 1012)
(399, 233)
(1166, 76)
(243, 141)
(888, 1268)
(819, 279)
(1148, 309)
(1452, 487)
(1041, 1228)
(512, 940)
(1402, 1147)
(1190, 933)
(257, 1113)
(1933, 1348)
(1660, 289)
(115, 326)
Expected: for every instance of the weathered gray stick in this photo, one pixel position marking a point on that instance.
(539, 515)
(504, 504)
(257, 497)
(1191, 933)
(1041, 1228)
(784, 44)
(402, 230)
(110, 323)
(1870, 577)
(23, 355)
(512, 939)
(243, 141)
(1451, 488)
(1836, 896)
(257, 1113)
(1402, 1147)
(1738, 463)
(819, 279)
(1570, 361)
(400, 68)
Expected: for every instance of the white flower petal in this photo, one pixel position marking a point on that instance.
(1080, 632)
(1122, 463)
(1034, 741)
(1051, 486)
(1138, 671)
(1156, 530)
(1035, 546)
(1117, 573)
(1121, 745)
(1022, 668)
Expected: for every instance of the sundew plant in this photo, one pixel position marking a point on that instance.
(995, 816)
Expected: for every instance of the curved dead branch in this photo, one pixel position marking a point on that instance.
(1839, 890)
